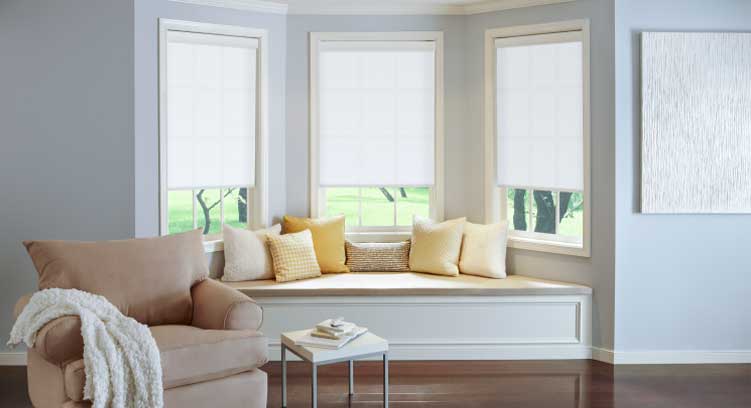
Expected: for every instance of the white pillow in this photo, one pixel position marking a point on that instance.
(246, 254)
(484, 250)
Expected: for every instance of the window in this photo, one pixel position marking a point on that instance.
(537, 142)
(212, 127)
(376, 128)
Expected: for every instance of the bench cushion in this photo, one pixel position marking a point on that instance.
(409, 284)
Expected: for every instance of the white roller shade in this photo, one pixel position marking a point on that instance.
(376, 113)
(211, 110)
(539, 112)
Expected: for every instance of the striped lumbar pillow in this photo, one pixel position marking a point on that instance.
(378, 257)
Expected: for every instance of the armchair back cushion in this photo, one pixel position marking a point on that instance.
(147, 279)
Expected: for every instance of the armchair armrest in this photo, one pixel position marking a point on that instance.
(58, 341)
(217, 306)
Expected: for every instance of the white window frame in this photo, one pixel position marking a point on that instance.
(317, 194)
(495, 204)
(257, 195)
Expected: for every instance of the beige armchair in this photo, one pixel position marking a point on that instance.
(207, 333)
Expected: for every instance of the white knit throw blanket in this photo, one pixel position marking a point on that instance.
(120, 356)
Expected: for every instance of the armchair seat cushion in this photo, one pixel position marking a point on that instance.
(191, 355)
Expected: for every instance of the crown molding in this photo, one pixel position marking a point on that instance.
(337, 7)
(260, 6)
(377, 7)
(489, 6)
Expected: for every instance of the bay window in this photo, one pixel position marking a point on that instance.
(376, 128)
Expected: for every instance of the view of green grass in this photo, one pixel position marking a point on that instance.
(180, 210)
(374, 206)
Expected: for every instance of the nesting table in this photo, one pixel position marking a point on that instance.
(367, 345)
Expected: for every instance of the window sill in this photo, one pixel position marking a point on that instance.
(213, 245)
(217, 245)
(396, 236)
(554, 247)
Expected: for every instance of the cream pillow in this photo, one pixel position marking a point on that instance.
(484, 250)
(246, 253)
(436, 246)
(294, 256)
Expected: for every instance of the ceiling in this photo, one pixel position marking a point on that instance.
(373, 7)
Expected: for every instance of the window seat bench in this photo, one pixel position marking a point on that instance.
(430, 317)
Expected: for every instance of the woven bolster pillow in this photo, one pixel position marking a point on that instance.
(378, 257)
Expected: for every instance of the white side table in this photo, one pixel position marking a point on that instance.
(367, 345)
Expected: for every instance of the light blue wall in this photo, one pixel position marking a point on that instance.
(298, 27)
(66, 130)
(683, 282)
(147, 13)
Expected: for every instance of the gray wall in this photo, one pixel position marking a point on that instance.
(147, 13)
(66, 123)
(597, 271)
(682, 281)
(298, 28)
(464, 88)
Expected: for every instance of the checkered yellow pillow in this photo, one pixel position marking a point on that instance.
(293, 256)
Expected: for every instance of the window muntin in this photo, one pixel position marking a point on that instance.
(373, 208)
(539, 135)
(375, 128)
(212, 134)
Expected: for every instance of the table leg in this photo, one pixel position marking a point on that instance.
(314, 387)
(284, 376)
(351, 377)
(385, 380)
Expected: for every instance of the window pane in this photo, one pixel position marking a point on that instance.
(543, 211)
(343, 201)
(208, 212)
(517, 209)
(378, 207)
(572, 218)
(180, 211)
(411, 202)
(236, 207)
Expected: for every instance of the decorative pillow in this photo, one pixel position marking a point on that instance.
(484, 250)
(378, 257)
(328, 240)
(246, 253)
(293, 256)
(148, 279)
(436, 246)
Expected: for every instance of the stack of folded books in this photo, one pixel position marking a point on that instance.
(331, 334)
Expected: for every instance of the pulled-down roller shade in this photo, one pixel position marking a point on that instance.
(540, 112)
(211, 110)
(377, 113)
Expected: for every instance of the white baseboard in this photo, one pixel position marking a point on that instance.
(13, 358)
(471, 352)
(672, 356)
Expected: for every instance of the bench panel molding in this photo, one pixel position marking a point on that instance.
(448, 327)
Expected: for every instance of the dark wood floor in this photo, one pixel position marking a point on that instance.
(470, 384)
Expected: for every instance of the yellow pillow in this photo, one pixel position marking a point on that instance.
(436, 246)
(293, 256)
(328, 240)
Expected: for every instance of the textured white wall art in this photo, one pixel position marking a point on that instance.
(696, 123)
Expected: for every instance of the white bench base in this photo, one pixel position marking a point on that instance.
(490, 325)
